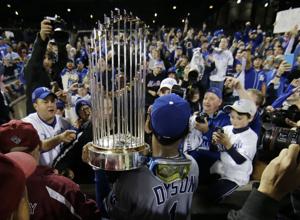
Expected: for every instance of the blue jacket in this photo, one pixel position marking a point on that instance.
(220, 119)
(253, 79)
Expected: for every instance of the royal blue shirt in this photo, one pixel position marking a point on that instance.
(3, 50)
(254, 79)
(82, 74)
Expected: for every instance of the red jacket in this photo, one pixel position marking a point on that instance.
(56, 197)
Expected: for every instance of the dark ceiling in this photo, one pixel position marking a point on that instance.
(31, 12)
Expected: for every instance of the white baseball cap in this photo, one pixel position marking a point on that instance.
(167, 83)
(242, 106)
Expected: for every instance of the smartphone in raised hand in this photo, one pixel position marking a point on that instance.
(289, 58)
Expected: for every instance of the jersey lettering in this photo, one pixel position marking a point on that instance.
(173, 210)
(174, 190)
(32, 207)
(183, 185)
(166, 191)
(159, 194)
(238, 144)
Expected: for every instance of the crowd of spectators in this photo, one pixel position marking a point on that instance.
(230, 81)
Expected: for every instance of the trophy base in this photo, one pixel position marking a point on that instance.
(120, 159)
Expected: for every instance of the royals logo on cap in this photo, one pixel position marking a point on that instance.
(16, 139)
(17, 133)
(41, 93)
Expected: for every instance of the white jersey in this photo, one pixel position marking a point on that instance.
(139, 194)
(245, 144)
(194, 138)
(47, 131)
(69, 78)
(222, 60)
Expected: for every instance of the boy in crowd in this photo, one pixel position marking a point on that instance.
(69, 75)
(237, 144)
(153, 81)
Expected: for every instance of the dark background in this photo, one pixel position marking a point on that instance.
(225, 13)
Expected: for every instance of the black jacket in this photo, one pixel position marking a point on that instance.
(36, 75)
(4, 109)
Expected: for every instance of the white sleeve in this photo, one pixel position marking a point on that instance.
(248, 145)
(65, 79)
(230, 58)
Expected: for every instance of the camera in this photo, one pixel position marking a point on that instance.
(58, 25)
(219, 130)
(274, 140)
(216, 147)
(200, 118)
(278, 117)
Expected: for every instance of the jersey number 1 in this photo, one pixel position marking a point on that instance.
(173, 210)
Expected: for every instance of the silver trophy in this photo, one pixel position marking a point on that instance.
(117, 85)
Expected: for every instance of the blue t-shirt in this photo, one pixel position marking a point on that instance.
(270, 74)
(254, 79)
(82, 74)
(3, 50)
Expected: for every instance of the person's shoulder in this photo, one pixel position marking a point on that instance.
(228, 52)
(221, 115)
(248, 136)
(250, 133)
(228, 128)
(251, 69)
(142, 175)
(61, 183)
(63, 122)
(31, 118)
(142, 171)
(194, 164)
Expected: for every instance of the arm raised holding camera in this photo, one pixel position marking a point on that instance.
(35, 72)
(234, 83)
(46, 29)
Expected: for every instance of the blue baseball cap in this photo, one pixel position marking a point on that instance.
(215, 91)
(78, 61)
(60, 104)
(172, 69)
(41, 93)
(79, 103)
(238, 35)
(236, 62)
(219, 32)
(170, 118)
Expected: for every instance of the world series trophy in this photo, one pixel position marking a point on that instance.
(117, 86)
